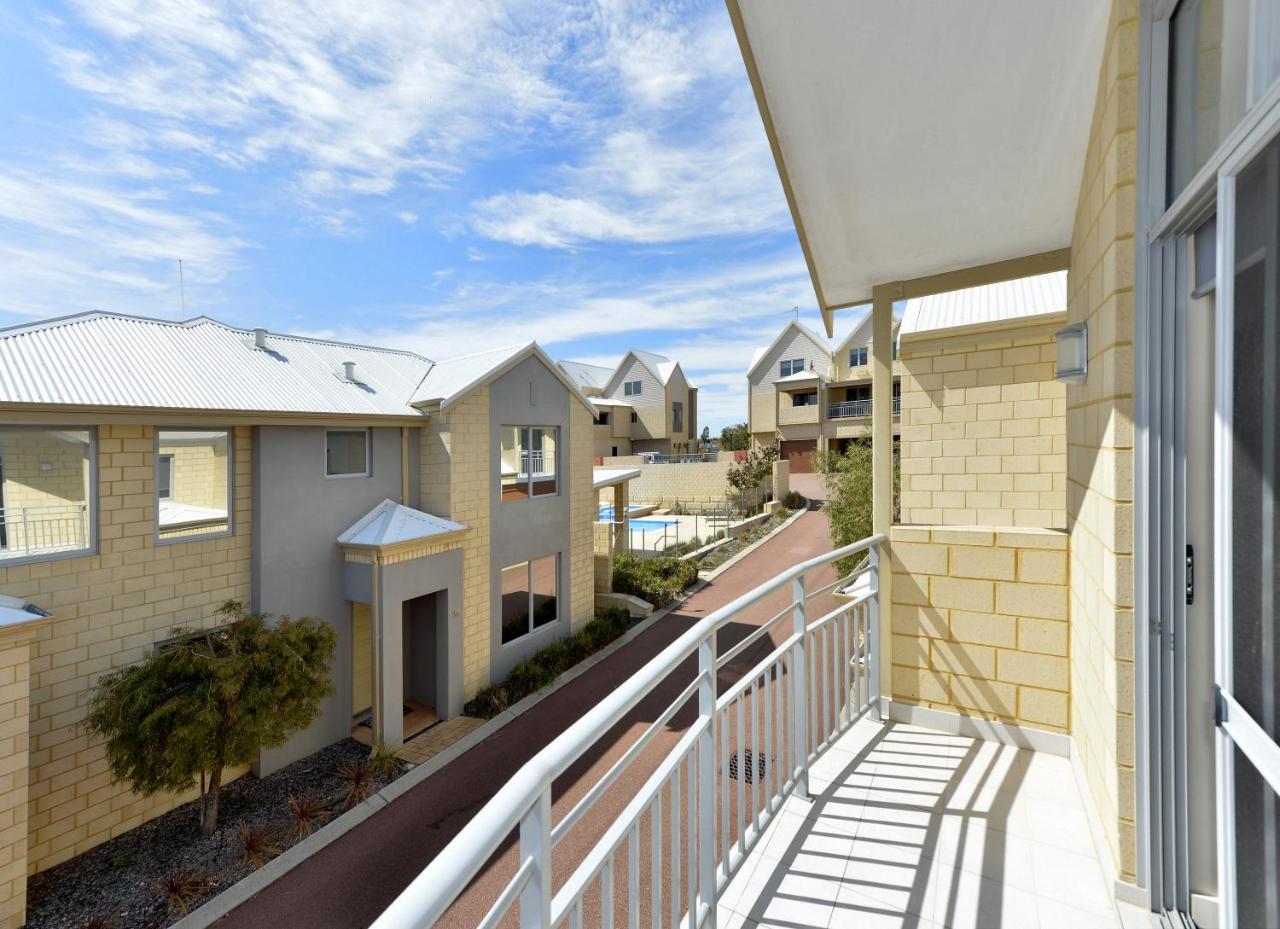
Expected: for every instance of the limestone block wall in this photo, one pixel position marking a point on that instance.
(15, 695)
(108, 610)
(582, 518)
(979, 621)
(696, 485)
(983, 431)
(1100, 444)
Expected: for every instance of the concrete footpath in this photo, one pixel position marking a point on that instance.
(350, 881)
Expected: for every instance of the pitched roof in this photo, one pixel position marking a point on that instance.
(760, 353)
(107, 359)
(1024, 298)
(452, 379)
(390, 523)
(587, 376)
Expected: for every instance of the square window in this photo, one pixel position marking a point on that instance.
(632, 388)
(46, 484)
(858, 357)
(346, 453)
(529, 596)
(528, 464)
(193, 483)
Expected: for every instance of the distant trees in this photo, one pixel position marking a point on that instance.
(209, 700)
(735, 438)
(705, 438)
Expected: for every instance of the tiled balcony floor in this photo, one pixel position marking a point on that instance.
(915, 829)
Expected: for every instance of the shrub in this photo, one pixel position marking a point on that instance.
(489, 702)
(657, 580)
(180, 888)
(306, 813)
(849, 500)
(795, 500)
(385, 763)
(358, 778)
(256, 845)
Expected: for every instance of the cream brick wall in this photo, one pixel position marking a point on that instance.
(695, 485)
(1100, 444)
(979, 623)
(15, 694)
(455, 481)
(109, 609)
(582, 518)
(983, 432)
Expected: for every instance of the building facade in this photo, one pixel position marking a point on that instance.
(646, 403)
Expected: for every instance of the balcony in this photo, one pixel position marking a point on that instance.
(858, 409)
(43, 530)
(791, 415)
(771, 790)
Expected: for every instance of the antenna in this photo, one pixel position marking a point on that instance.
(182, 288)
(794, 309)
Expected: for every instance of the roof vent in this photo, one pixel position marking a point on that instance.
(349, 370)
(260, 338)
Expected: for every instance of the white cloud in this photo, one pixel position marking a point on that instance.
(408, 217)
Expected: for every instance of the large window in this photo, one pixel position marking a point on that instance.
(529, 598)
(790, 366)
(346, 453)
(632, 388)
(45, 492)
(677, 416)
(528, 466)
(193, 483)
(808, 398)
(858, 357)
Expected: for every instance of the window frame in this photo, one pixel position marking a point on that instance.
(91, 500)
(532, 630)
(677, 416)
(160, 462)
(859, 352)
(526, 430)
(787, 367)
(368, 453)
(633, 388)
(227, 533)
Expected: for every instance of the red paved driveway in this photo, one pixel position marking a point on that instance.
(348, 883)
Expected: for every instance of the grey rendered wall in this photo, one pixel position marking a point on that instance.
(297, 566)
(521, 530)
(405, 581)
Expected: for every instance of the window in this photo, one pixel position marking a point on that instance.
(164, 477)
(45, 492)
(858, 392)
(632, 388)
(346, 453)
(193, 483)
(529, 598)
(895, 349)
(790, 366)
(805, 399)
(677, 416)
(857, 357)
(528, 465)
(635, 418)
(603, 418)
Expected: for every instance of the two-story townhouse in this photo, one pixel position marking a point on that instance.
(646, 404)
(810, 397)
(438, 515)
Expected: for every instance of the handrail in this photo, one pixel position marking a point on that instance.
(524, 800)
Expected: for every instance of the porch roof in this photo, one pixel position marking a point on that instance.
(915, 140)
(608, 477)
(14, 611)
(390, 523)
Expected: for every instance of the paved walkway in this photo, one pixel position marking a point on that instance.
(348, 883)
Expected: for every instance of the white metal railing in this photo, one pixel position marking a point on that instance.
(791, 705)
(32, 530)
(853, 409)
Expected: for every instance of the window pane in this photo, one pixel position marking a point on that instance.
(199, 500)
(164, 477)
(542, 461)
(514, 482)
(515, 601)
(546, 608)
(346, 453)
(44, 491)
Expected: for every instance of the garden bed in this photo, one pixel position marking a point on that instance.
(719, 556)
(116, 880)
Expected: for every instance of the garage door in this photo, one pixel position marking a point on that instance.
(799, 453)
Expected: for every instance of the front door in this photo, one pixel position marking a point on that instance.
(1248, 636)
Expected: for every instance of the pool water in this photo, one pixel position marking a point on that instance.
(652, 523)
(606, 511)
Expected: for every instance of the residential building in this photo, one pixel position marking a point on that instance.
(808, 397)
(1066, 720)
(438, 515)
(646, 402)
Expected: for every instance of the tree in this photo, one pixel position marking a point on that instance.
(211, 700)
(849, 498)
(747, 475)
(705, 438)
(735, 438)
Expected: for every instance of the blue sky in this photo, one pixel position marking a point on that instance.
(443, 176)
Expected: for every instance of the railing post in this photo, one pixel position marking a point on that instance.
(707, 780)
(800, 692)
(873, 627)
(535, 845)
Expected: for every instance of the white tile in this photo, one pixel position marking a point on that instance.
(967, 844)
(856, 910)
(1054, 913)
(965, 900)
(1070, 878)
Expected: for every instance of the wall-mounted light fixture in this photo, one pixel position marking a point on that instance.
(1073, 354)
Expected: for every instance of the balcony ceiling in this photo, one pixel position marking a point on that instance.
(925, 137)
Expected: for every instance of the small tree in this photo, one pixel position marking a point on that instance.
(849, 498)
(705, 437)
(747, 475)
(735, 438)
(210, 700)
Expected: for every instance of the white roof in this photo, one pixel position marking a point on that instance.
(611, 401)
(587, 376)
(451, 379)
(758, 355)
(14, 610)
(106, 359)
(921, 138)
(1025, 298)
(800, 377)
(389, 523)
(607, 477)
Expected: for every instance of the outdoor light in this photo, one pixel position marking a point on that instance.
(1073, 353)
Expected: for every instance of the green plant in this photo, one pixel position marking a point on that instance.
(98, 919)
(794, 500)
(180, 888)
(211, 700)
(746, 476)
(358, 780)
(256, 845)
(735, 438)
(658, 580)
(488, 702)
(306, 813)
(385, 763)
(849, 499)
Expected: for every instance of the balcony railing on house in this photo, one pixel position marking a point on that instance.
(747, 750)
(854, 409)
(37, 530)
(690, 458)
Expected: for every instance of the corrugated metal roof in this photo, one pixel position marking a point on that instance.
(1041, 295)
(587, 376)
(454, 376)
(105, 359)
(607, 477)
(390, 522)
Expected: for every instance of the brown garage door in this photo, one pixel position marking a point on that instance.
(799, 452)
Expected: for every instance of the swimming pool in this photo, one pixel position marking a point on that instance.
(606, 511)
(652, 523)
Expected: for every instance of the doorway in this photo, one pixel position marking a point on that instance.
(422, 655)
